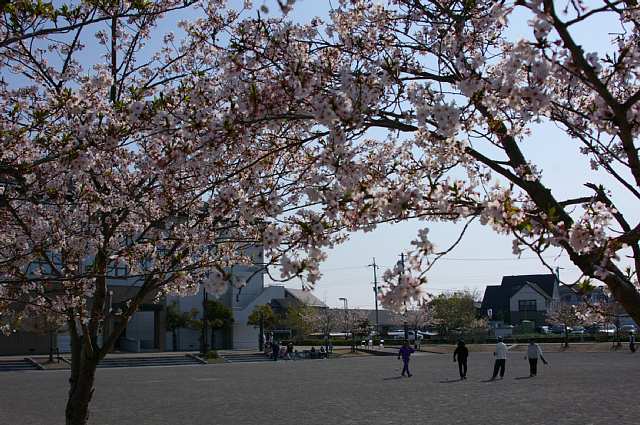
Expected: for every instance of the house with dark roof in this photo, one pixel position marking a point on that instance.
(521, 297)
(571, 297)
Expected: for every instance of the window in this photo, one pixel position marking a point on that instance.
(117, 270)
(526, 305)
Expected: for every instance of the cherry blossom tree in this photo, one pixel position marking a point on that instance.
(568, 316)
(172, 152)
(168, 154)
(455, 96)
(419, 316)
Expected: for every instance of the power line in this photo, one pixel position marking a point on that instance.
(452, 259)
(498, 259)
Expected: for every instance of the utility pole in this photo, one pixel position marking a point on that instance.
(375, 293)
(406, 328)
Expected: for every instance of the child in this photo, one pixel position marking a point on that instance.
(405, 352)
(461, 353)
(533, 353)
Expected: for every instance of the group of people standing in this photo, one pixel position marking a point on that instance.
(534, 352)
(461, 354)
(284, 351)
(277, 350)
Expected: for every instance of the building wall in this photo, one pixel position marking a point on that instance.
(244, 335)
(528, 293)
(25, 343)
(241, 301)
(141, 327)
(538, 317)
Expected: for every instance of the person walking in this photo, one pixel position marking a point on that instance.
(405, 352)
(534, 352)
(501, 359)
(632, 341)
(275, 350)
(460, 355)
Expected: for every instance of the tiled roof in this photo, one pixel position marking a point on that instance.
(305, 297)
(546, 282)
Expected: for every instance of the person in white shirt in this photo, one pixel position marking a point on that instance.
(501, 359)
(534, 352)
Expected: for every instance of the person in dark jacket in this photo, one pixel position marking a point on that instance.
(460, 355)
(405, 352)
(275, 350)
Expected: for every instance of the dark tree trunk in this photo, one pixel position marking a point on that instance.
(80, 393)
(50, 346)
(83, 370)
(174, 338)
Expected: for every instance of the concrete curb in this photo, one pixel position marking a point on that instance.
(198, 359)
(35, 363)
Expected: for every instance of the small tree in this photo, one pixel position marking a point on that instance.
(300, 319)
(479, 329)
(609, 313)
(262, 317)
(177, 319)
(567, 316)
(362, 327)
(327, 320)
(418, 316)
(217, 316)
(262, 313)
(453, 311)
(44, 323)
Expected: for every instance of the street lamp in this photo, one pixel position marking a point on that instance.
(400, 264)
(346, 321)
(346, 303)
(346, 312)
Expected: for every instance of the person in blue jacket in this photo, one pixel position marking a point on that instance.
(405, 352)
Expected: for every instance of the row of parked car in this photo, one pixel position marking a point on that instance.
(606, 328)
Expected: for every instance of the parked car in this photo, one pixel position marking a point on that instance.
(544, 329)
(607, 328)
(591, 329)
(626, 329)
(559, 329)
(427, 334)
(578, 330)
(399, 334)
